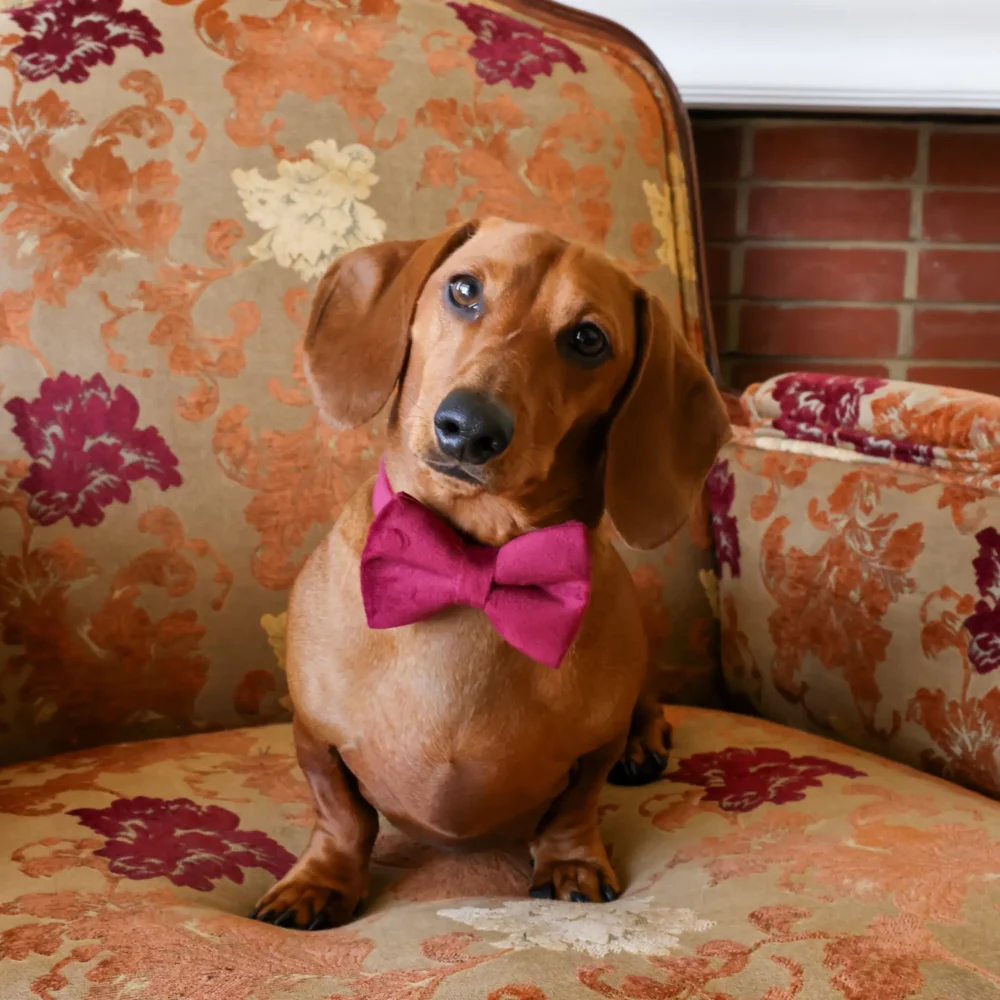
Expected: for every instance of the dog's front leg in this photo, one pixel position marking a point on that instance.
(325, 886)
(568, 853)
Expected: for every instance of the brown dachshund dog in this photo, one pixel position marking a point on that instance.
(567, 393)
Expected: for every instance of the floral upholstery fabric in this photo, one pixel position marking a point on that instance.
(856, 531)
(770, 865)
(174, 177)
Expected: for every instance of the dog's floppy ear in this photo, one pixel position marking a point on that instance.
(359, 329)
(665, 438)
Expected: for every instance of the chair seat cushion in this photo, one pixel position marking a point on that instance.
(769, 865)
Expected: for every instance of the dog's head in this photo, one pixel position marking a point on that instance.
(536, 381)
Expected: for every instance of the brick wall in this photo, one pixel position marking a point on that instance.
(853, 245)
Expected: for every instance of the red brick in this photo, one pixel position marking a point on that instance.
(745, 373)
(957, 333)
(717, 264)
(718, 152)
(829, 213)
(962, 216)
(821, 273)
(718, 213)
(819, 331)
(959, 276)
(962, 156)
(835, 153)
(977, 379)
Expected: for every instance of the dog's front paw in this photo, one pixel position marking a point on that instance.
(301, 905)
(575, 882)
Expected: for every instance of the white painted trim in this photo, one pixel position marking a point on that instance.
(909, 55)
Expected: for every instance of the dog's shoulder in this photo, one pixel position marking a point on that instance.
(329, 574)
(351, 529)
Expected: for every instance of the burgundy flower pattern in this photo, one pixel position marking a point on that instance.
(823, 400)
(825, 409)
(741, 780)
(66, 38)
(987, 563)
(189, 844)
(983, 625)
(721, 490)
(882, 447)
(86, 448)
(508, 49)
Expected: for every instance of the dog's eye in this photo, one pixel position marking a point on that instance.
(586, 343)
(465, 292)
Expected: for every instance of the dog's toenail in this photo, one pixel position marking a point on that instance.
(546, 891)
(286, 919)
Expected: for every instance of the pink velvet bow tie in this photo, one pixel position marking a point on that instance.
(534, 589)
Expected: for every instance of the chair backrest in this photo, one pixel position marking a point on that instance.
(173, 182)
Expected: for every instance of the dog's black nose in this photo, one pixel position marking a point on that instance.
(471, 427)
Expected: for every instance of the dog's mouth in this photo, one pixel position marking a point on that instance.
(453, 471)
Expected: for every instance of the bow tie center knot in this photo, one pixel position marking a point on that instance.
(477, 574)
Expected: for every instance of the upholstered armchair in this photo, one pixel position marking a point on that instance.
(174, 177)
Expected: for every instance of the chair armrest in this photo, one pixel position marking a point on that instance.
(855, 527)
(948, 429)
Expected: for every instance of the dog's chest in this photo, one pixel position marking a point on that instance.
(465, 739)
(449, 730)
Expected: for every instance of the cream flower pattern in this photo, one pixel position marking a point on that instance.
(630, 925)
(710, 584)
(314, 210)
(671, 214)
(275, 627)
